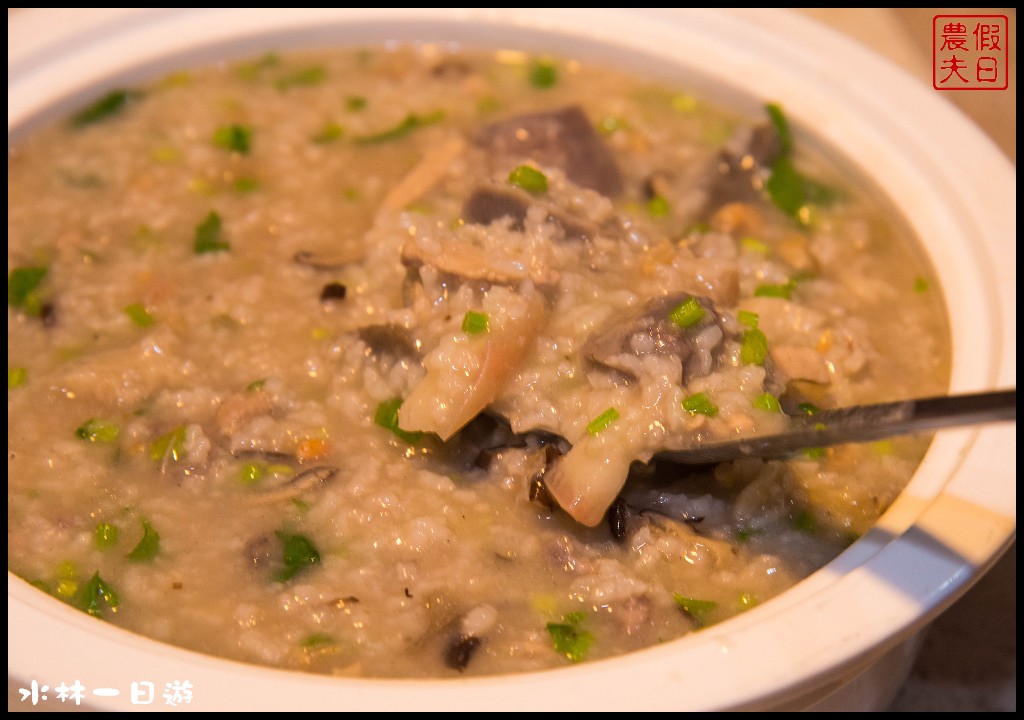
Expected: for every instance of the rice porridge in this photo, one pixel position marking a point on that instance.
(358, 362)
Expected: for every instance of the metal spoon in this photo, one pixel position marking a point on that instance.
(860, 423)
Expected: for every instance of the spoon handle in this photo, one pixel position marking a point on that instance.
(861, 423)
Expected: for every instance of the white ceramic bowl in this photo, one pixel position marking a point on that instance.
(839, 639)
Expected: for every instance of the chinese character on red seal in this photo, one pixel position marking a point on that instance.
(970, 52)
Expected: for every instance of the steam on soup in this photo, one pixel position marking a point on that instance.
(357, 362)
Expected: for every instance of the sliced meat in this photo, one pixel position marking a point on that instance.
(488, 204)
(652, 331)
(564, 138)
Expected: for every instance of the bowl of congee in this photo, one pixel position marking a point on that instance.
(345, 347)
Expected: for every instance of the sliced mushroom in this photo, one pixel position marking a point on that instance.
(563, 138)
(295, 485)
(472, 261)
(424, 175)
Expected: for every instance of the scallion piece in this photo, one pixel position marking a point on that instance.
(750, 319)
(387, 417)
(208, 235)
(544, 74)
(299, 553)
(105, 535)
(149, 544)
(658, 207)
(688, 313)
(251, 473)
(569, 638)
(138, 314)
(754, 245)
(302, 78)
(780, 291)
(22, 286)
(105, 108)
(529, 179)
(170, 446)
(754, 348)
(246, 185)
(16, 377)
(768, 403)
(407, 125)
(602, 421)
(920, 285)
(475, 323)
(698, 610)
(355, 103)
(97, 430)
(237, 138)
(330, 132)
(96, 596)
(700, 404)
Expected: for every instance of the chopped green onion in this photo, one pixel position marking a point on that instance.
(22, 286)
(302, 78)
(105, 535)
(543, 74)
(608, 125)
(781, 125)
(754, 245)
(658, 207)
(779, 291)
(256, 385)
(815, 453)
(329, 133)
(883, 447)
(138, 314)
(683, 103)
(920, 285)
(768, 403)
(149, 545)
(750, 319)
(67, 579)
(105, 108)
(746, 601)
(407, 125)
(602, 421)
(387, 417)
(208, 237)
(529, 179)
(237, 138)
(355, 103)
(316, 640)
(700, 403)
(699, 610)
(475, 323)
(688, 313)
(808, 408)
(101, 431)
(804, 520)
(246, 185)
(16, 377)
(251, 71)
(96, 595)
(170, 446)
(754, 349)
(251, 473)
(299, 553)
(569, 638)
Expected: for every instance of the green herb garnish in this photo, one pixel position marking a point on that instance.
(299, 553)
(22, 286)
(475, 323)
(602, 421)
(768, 403)
(330, 132)
(784, 291)
(543, 74)
(658, 207)
(698, 610)
(920, 285)
(700, 404)
(237, 138)
(790, 190)
(97, 430)
(403, 128)
(387, 417)
(251, 473)
(688, 313)
(105, 536)
(105, 108)
(569, 638)
(138, 314)
(16, 377)
(170, 446)
(754, 348)
(355, 103)
(96, 596)
(246, 185)
(208, 235)
(302, 78)
(750, 319)
(529, 179)
(149, 545)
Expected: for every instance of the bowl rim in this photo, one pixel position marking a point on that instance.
(946, 525)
